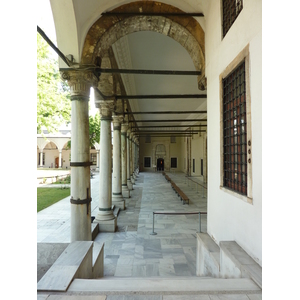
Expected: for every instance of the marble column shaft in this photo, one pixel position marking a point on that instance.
(80, 83)
(117, 197)
(105, 216)
(125, 190)
(129, 183)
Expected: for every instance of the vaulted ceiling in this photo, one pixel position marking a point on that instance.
(140, 49)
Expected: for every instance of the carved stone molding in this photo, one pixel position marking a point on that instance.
(117, 120)
(124, 128)
(80, 82)
(106, 108)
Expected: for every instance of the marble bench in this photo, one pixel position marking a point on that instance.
(81, 259)
(208, 256)
(226, 260)
(236, 263)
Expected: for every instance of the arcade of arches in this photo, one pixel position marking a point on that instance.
(171, 120)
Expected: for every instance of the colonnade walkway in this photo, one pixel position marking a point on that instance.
(132, 253)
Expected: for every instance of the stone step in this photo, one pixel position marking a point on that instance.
(236, 262)
(73, 262)
(184, 285)
(95, 230)
(116, 211)
(98, 260)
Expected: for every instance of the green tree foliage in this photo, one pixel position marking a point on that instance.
(94, 130)
(53, 98)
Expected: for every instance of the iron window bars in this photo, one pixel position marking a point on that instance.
(235, 130)
(173, 162)
(231, 10)
(147, 162)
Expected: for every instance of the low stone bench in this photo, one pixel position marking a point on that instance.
(236, 263)
(228, 260)
(81, 259)
(180, 193)
(207, 257)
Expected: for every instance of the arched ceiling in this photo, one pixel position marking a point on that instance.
(81, 31)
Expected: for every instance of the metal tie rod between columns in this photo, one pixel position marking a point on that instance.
(148, 72)
(184, 120)
(175, 96)
(168, 126)
(161, 14)
(164, 112)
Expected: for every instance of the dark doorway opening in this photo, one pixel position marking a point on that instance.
(160, 164)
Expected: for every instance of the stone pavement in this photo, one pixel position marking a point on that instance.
(132, 252)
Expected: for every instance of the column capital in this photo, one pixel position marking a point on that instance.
(124, 128)
(80, 82)
(106, 108)
(132, 136)
(117, 120)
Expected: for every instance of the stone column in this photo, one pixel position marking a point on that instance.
(59, 159)
(41, 159)
(98, 159)
(129, 183)
(80, 83)
(125, 190)
(132, 177)
(105, 217)
(117, 197)
(137, 157)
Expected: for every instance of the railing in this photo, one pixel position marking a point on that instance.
(177, 213)
(187, 179)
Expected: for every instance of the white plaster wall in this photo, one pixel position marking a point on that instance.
(229, 217)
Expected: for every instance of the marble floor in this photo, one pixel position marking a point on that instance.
(132, 251)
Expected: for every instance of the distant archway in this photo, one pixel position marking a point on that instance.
(160, 164)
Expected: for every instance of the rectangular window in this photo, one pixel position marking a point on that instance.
(231, 10)
(173, 162)
(173, 139)
(193, 165)
(235, 130)
(201, 166)
(147, 162)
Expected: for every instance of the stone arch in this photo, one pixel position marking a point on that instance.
(107, 30)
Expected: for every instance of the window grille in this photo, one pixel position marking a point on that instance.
(173, 162)
(235, 130)
(231, 10)
(147, 162)
(173, 139)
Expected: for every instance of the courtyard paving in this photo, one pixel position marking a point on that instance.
(132, 252)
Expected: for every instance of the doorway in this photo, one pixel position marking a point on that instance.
(56, 162)
(160, 164)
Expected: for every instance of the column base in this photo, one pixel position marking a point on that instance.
(132, 180)
(107, 225)
(118, 201)
(129, 185)
(125, 191)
